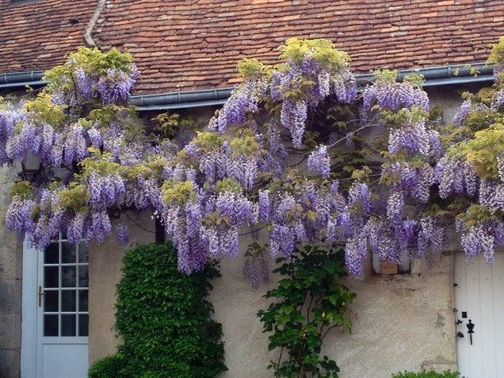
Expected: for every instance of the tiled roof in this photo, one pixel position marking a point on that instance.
(183, 45)
(195, 44)
(38, 34)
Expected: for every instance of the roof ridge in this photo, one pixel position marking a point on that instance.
(92, 23)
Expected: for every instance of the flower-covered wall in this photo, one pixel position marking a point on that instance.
(400, 322)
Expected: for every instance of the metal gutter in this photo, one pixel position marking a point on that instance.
(21, 79)
(445, 75)
(181, 100)
(478, 73)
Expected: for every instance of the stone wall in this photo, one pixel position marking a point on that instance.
(11, 264)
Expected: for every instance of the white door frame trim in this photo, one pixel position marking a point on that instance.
(29, 312)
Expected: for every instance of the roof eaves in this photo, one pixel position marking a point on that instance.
(477, 73)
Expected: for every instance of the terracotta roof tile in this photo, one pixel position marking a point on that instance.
(37, 35)
(195, 44)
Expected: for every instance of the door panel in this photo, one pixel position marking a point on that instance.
(60, 360)
(478, 297)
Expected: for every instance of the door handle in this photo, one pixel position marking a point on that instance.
(470, 329)
(40, 296)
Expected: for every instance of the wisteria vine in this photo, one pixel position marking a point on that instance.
(286, 156)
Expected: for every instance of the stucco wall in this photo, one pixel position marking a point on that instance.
(399, 322)
(11, 263)
(104, 274)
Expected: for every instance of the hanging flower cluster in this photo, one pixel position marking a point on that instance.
(79, 132)
(393, 196)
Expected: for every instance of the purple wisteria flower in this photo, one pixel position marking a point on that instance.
(95, 137)
(465, 109)
(319, 162)
(19, 216)
(282, 240)
(75, 145)
(255, 269)
(345, 87)
(395, 206)
(476, 240)
(359, 197)
(26, 140)
(498, 101)
(293, 117)
(101, 228)
(105, 191)
(356, 254)
(491, 195)
(455, 177)
(243, 169)
(86, 85)
(116, 86)
(500, 167)
(430, 237)
(75, 230)
(393, 96)
(414, 139)
(243, 101)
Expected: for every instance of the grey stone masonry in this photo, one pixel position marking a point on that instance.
(11, 265)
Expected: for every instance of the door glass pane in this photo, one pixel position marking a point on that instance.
(83, 276)
(51, 254)
(68, 276)
(83, 300)
(51, 276)
(68, 253)
(68, 325)
(65, 290)
(83, 325)
(83, 253)
(50, 325)
(68, 300)
(51, 300)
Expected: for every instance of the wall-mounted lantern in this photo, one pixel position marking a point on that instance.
(30, 167)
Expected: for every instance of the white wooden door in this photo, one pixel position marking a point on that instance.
(55, 312)
(479, 298)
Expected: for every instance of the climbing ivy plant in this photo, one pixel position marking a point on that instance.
(309, 302)
(164, 320)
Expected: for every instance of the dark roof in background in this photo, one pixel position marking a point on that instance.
(195, 44)
(192, 45)
(37, 35)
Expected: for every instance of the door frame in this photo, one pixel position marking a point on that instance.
(32, 315)
(29, 312)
